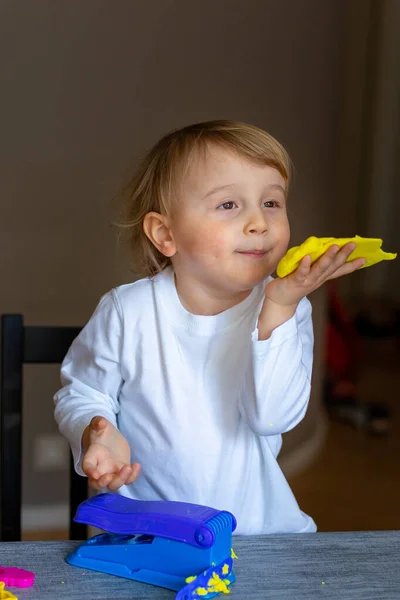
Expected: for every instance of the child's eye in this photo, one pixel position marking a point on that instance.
(271, 204)
(227, 205)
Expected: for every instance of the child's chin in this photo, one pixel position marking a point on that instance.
(249, 281)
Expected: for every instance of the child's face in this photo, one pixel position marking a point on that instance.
(231, 227)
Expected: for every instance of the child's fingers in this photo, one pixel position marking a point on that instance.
(343, 255)
(326, 261)
(120, 478)
(304, 267)
(340, 261)
(134, 474)
(94, 433)
(95, 463)
(90, 471)
(113, 481)
(94, 484)
(319, 268)
(98, 424)
(105, 480)
(90, 464)
(348, 267)
(332, 260)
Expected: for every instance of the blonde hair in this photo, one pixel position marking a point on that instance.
(155, 183)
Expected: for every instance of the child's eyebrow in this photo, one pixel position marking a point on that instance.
(218, 189)
(276, 186)
(269, 187)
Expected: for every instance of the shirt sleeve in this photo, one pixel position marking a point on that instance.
(278, 382)
(91, 375)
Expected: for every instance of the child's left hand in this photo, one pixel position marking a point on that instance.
(282, 295)
(291, 289)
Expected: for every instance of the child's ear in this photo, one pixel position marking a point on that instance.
(157, 229)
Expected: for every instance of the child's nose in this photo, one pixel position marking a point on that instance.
(256, 223)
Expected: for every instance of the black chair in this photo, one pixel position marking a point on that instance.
(21, 344)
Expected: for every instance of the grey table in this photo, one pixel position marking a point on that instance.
(364, 566)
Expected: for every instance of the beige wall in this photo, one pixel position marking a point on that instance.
(378, 208)
(369, 135)
(88, 86)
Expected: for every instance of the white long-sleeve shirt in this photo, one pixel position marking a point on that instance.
(201, 401)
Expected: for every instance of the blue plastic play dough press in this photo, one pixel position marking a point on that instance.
(176, 545)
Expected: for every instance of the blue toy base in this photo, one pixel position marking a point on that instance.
(178, 583)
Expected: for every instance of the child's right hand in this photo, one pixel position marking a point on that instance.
(107, 456)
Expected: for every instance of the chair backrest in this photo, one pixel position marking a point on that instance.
(21, 344)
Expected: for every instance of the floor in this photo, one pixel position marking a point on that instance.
(355, 482)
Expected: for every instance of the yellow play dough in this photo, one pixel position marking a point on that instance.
(5, 594)
(368, 248)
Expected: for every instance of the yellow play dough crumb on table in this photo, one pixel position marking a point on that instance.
(368, 248)
(5, 594)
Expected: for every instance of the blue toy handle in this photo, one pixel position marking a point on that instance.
(190, 523)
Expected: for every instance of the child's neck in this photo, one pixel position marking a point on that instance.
(199, 299)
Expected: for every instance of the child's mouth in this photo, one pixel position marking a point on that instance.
(254, 253)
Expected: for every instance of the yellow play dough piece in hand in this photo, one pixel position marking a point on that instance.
(368, 248)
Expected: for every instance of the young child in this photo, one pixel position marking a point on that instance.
(182, 383)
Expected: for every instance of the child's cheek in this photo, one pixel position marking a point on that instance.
(207, 242)
(219, 246)
(204, 239)
(213, 245)
(225, 242)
